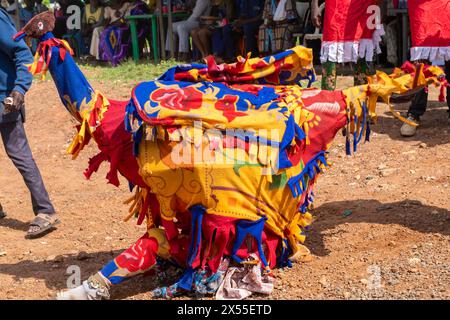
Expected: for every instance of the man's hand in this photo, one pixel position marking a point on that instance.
(18, 99)
(315, 14)
(316, 17)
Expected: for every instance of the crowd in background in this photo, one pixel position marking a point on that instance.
(224, 28)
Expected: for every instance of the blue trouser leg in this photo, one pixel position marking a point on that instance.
(217, 42)
(228, 42)
(250, 41)
(18, 150)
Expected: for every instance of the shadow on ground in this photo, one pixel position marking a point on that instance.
(411, 214)
(55, 276)
(433, 130)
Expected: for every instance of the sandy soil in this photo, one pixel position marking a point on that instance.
(382, 228)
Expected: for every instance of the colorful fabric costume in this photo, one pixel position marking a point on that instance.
(430, 29)
(223, 157)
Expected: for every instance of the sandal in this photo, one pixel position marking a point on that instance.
(42, 224)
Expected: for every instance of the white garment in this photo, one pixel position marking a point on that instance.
(181, 30)
(95, 42)
(280, 12)
(351, 51)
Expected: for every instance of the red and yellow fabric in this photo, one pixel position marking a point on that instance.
(288, 67)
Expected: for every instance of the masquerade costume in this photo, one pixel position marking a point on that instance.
(222, 158)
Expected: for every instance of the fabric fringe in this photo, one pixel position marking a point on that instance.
(91, 117)
(300, 183)
(140, 207)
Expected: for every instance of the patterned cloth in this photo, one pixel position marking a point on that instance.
(276, 36)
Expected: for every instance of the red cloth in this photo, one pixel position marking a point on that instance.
(116, 146)
(346, 20)
(430, 23)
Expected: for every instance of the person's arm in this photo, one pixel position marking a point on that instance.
(315, 13)
(20, 54)
(199, 9)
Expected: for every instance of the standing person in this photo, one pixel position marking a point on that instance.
(15, 80)
(182, 29)
(430, 37)
(349, 35)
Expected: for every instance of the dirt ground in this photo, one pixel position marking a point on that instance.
(382, 228)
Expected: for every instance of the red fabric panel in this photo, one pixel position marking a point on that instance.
(346, 20)
(332, 119)
(430, 23)
(116, 146)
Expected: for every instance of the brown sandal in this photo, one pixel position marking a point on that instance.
(44, 223)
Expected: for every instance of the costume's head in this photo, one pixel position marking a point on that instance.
(37, 26)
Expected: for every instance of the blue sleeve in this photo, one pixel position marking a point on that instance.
(17, 52)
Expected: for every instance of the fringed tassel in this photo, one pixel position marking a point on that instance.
(90, 118)
(81, 139)
(286, 252)
(255, 229)
(94, 164)
(367, 138)
(140, 207)
(197, 213)
(295, 235)
(298, 184)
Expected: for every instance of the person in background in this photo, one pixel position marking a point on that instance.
(223, 46)
(111, 14)
(201, 36)
(430, 41)
(339, 45)
(182, 29)
(419, 106)
(26, 13)
(250, 18)
(93, 17)
(280, 19)
(39, 7)
(11, 7)
(15, 80)
(62, 15)
(118, 50)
